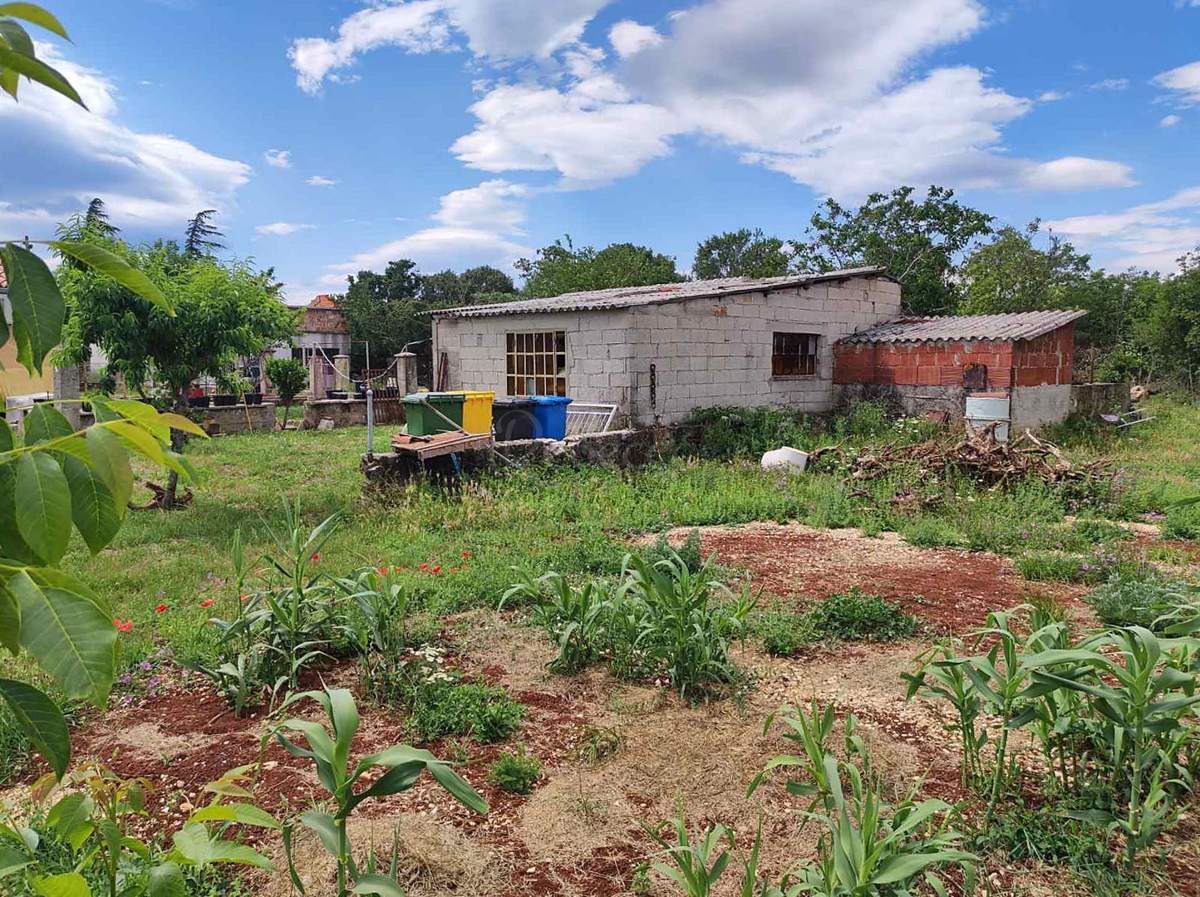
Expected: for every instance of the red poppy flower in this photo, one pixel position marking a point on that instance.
(316, 557)
(245, 597)
(382, 571)
(437, 569)
(466, 554)
(208, 603)
(424, 566)
(160, 608)
(123, 625)
(398, 569)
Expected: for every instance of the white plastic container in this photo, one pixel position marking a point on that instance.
(785, 457)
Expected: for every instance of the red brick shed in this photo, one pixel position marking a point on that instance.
(935, 363)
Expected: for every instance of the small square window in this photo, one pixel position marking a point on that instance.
(794, 355)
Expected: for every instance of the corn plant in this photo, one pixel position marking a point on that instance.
(697, 862)
(403, 765)
(383, 604)
(1143, 685)
(574, 616)
(93, 820)
(690, 620)
(868, 845)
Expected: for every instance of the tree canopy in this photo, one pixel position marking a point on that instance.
(1010, 273)
(741, 253)
(391, 310)
(561, 268)
(921, 242)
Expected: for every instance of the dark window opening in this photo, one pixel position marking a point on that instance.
(794, 355)
(536, 363)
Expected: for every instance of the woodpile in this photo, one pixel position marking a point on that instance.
(979, 457)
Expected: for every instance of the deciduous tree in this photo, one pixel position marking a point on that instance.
(561, 268)
(741, 253)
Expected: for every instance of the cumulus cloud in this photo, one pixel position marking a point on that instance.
(318, 180)
(282, 228)
(1075, 173)
(494, 205)
(1149, 236)
(629, 37)
(591, 132)
(1184, 81)
(436, 247)
(278, 158)
(1169, 121)
(1110, 84)
(66, 156)
(512, 29)
(418, 26)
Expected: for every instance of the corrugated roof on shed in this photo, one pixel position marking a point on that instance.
(956, 328)
(630, 297)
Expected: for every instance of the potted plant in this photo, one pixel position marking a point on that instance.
(197, 398)
(250, 393)
(228, 385)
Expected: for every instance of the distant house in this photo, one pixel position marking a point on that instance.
(322, 334)
(657, 352)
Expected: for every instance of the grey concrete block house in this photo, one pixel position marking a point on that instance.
(657, 352)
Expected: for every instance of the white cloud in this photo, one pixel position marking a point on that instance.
(1051, 96)
(628, 37)
(1075, 173)
(1169, 121)
(1184, 80)
(1110, 84)
(1150, 236)
(277, 158)
(415, 27)
(318, 180)
(437, 247)
(146, 180)
(512, 29)
(495, 205)
(589, 133)
(282, 228)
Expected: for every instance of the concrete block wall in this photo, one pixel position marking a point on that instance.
(718, 351)
(599, 349)
(704, 351)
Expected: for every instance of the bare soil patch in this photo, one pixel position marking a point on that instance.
(951, 589)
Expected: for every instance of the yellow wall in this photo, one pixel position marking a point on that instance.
(16, 381)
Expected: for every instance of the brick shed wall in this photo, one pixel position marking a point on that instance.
(1045, 361)
(704, 351)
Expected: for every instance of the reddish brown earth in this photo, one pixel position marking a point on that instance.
(951, 589)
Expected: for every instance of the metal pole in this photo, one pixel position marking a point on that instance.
(367, 344)
(370, 420)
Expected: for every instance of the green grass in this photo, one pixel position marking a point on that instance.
(577, 520)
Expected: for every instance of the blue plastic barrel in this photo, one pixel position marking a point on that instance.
(550, 416)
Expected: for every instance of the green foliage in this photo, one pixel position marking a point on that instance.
(14, 745)
(1045, 835)
(857, 616)
(561, 268)
(784, 634)
(1093, 530)
(691, 552)
(391, 310)
(200, 235)
(90, 830)
(867, 844)
(290, 378)
(931, 532)
(1058, 566)
(734, 432)
(920, 241)
(401, 765)
(516, 771)
(1145, 598)
(574, 616)
(741, 253)
(1010, 274)
(696, 861)
(221, 312)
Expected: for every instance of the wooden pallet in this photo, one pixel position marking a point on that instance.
(424, 447)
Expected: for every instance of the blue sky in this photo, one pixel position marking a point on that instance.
(334, 135)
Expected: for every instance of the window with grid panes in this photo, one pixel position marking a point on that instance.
(537, 363)
(794, 355)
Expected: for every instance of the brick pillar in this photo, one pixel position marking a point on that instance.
(341, 364)
(67, 384)
(406, 372)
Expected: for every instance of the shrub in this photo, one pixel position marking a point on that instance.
(690, 552)
(931, 532)
(857, 616)
(784, 634)
(748, 432)
(1145, 598)
(1183, 522)
(516, 771)
(1093, 530)
(1058, 566)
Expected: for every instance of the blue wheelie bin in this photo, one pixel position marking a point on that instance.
(550, 416)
